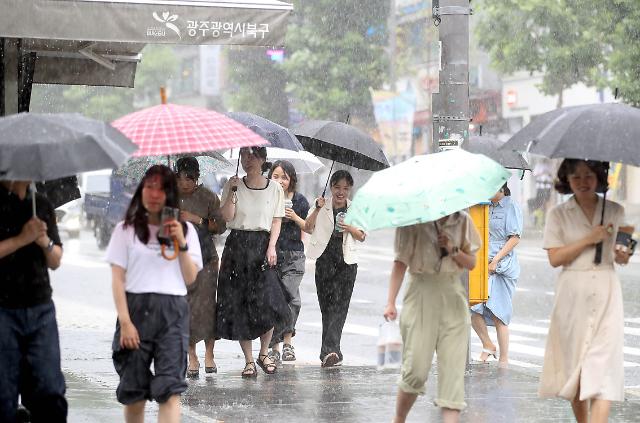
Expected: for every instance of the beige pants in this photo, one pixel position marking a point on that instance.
(435, 318)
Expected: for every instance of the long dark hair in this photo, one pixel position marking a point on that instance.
(289, 170)
(137, 215)
(568, 166)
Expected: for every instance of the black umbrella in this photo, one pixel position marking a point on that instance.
(342, 143)
(60, 191)
(601, 132)
(40, 147)
(277, 135)
(490, 147)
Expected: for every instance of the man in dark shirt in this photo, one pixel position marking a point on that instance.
(29, 344)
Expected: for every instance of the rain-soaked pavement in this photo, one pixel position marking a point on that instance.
(354, 393)
(308, 393)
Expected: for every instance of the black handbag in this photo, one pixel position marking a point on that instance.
(271, 297)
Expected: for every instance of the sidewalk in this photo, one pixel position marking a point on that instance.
(307, 393)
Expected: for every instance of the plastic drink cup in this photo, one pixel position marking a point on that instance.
(340, 219)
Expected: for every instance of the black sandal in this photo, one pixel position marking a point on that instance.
(269, 368)
(250, 370)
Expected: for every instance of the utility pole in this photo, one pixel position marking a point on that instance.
(450, 105)
(392, 70)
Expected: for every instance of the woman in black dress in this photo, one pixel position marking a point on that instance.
(249, 304)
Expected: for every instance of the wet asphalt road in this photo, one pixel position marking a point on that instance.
(86, 316)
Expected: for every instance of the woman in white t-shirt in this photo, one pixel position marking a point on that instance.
(150, 293)
(249, 304)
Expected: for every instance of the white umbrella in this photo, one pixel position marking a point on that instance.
(303, 161)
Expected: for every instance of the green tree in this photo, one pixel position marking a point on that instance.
(258, 84)
(337, 56)
(619, 22)
(558, 38)
(334, 54)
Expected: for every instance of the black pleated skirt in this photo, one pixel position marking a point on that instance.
(250, 299)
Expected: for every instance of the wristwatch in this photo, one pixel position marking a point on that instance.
(183, 248)
(454, 251)
(50, 245)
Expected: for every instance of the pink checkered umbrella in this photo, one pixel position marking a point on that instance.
(169, 129)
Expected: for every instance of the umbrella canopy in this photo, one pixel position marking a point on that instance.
(40, 147)
(604, 132)
(244, 22)
(425, 188)
(303, 161)
(169, 129)
(490, 147)
(278, 136)
(135, 168)
(341, 143)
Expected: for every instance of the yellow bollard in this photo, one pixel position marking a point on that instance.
(479, 276)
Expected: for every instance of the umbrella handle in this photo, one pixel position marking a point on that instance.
(328, 178)
(598, 257)
(176, 250)
(443, 251)
(234, 189)
(33, 198)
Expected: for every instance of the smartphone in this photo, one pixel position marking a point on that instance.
(168, 214)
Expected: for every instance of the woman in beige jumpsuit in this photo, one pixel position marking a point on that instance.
(435, 315)
(584, 358)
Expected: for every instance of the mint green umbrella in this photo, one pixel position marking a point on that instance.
(425, 188)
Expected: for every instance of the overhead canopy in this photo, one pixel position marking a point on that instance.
(98, 42)
(248, 22)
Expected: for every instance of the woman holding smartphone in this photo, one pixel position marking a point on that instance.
(150, 293)
(583, 360)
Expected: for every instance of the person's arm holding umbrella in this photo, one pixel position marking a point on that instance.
(310, 222)
(35, 230)
(228, 209)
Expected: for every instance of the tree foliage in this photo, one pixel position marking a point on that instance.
(619, 22)
(257, 84)
(570, 41)
(334, 54)
(338, 55)
(558, 38)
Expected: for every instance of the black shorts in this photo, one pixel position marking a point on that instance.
(162, 322)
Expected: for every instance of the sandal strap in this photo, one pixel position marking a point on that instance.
(272, 364)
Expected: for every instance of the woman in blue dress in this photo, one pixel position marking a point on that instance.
(505, 229)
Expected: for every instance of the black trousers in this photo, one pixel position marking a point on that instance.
(30, 364)
(334, 285)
